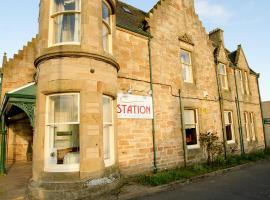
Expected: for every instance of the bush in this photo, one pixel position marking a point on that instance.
(211, 146)
(167, 176)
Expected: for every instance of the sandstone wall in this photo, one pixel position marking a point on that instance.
(20, 134)
(20, 69)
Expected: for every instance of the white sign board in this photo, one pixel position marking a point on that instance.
(134, 107)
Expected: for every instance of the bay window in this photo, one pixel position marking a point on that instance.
(192, 128)
(186, 66)
(65, 21)
(223, 76)
(108, 131)
(106, 26)
(229, 127)
(62, 136)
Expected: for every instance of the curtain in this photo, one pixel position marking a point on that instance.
(190, 117)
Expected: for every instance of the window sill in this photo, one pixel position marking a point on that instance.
(64, 43)
(109, 163)
(189, 82)
(231, 142)
(190, 147)
(63, 168)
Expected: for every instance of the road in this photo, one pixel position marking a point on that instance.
(250, 183)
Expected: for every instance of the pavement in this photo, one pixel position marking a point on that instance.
(13, 185)
(248, 183)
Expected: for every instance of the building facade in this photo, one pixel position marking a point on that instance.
(266, 117)
(61, 93)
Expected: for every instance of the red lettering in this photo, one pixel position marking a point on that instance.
(148, 109)
(129, 110)
(119, 110)
(142, 110)
(124, 106)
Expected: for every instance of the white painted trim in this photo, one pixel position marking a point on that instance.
(22, 87)
(54, 167)
(232, 128)
(230, 142)
(111, 161)
(196, 146)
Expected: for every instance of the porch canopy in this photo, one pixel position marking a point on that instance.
(16, 103)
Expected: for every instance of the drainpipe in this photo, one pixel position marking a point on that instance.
(260, 99)
(221, 106)
(183, 129)
(3, 148)
(239, 115)
(153, 103)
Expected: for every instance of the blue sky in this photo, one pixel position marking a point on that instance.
(245, 22)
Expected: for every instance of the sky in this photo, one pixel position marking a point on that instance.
(245, 22)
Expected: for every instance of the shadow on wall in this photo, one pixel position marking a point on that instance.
(20, 139)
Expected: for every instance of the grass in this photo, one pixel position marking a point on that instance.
(168, 176)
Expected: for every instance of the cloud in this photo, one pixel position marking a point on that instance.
(213, 12)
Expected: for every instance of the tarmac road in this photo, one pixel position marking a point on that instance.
(250, 183)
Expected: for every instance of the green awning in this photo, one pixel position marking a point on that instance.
(23, 98)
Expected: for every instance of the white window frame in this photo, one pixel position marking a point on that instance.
(51, 25)
(223, 76)
(246, 122)
(241, 81)
(111, 161)
(188, 66)
(195, 146)
(109, 27)
(246, 83)
(58, 168)
(252, 126)
(232, 127)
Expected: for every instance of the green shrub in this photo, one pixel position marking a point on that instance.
(167, 176)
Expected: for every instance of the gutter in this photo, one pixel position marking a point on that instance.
(260, 99)
(153, 103)
(183, 130)
(239, 115)
(221, 112)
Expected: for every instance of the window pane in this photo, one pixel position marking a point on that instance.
(66, 143)
(105, 13)
(224, 82)
(246, 83)
(187, 73)
(222, 69)
(191, 136)
(251, 118)
(66, 5)
(227, 118)
(229, 132)
(106, 142)
(67, 28)
(105, 37)
(107, 110)
(63, 109)
(190, 117)
(185, 57)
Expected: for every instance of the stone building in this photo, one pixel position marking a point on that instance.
(266, 117)
(105, 88)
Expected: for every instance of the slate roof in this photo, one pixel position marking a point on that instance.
(133, 21)
(232, 56)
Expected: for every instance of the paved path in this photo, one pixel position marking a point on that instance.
(12, 186)
(251, 183)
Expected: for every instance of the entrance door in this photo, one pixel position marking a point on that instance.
(62, 152)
